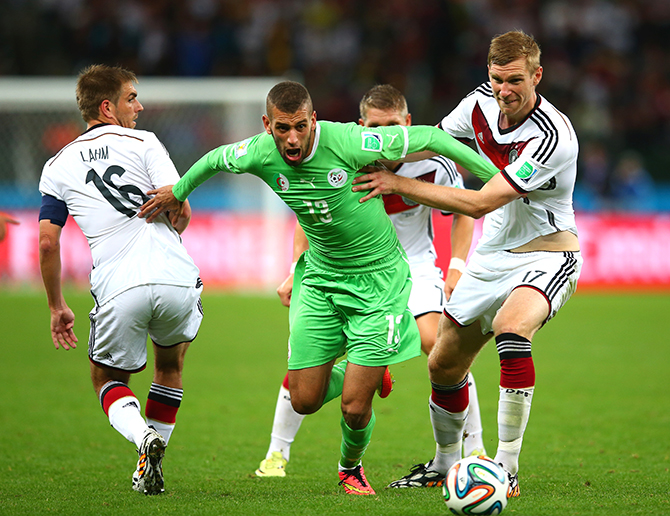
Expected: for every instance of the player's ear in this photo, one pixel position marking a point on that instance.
(105, 109)
(408, 119)
(537, 76)
(360, 122)
(267, 124)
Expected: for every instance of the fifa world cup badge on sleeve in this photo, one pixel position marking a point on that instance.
(241, 148)
(372, 142)
(526, 172)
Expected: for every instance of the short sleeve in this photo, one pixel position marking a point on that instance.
(158, 163)
(527, 173)
(458, 123)
(366, 144)
(48, 185)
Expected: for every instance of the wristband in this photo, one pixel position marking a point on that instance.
(458, 264)
(292, 269)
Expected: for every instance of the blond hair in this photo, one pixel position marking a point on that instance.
(383, 97)
(512, 45)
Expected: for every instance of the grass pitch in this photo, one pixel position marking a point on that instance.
(596, 443)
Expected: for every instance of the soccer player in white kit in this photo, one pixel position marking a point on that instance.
(143, 281)
(384, 105)
(526, 264)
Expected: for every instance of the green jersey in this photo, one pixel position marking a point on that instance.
(339, 228)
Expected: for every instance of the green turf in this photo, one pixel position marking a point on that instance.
(596, 442)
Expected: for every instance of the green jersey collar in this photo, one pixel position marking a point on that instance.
(317, 134)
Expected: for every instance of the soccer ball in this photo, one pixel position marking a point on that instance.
(476, 485)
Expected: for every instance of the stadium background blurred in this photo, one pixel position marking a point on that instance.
(607, 66)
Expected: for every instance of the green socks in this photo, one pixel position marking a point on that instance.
(355, 442)
(336, 381)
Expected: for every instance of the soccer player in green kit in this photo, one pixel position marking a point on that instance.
(352, 285)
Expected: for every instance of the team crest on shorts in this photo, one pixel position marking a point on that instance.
(337, 177)
(281, 182)
(372, 141)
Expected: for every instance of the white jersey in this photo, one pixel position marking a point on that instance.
(413, 221)
(538, 157)
(102, 177)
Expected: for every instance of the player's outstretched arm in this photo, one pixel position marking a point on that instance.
(170, 198)
(422, 137)
(474, 203)
(62, 318)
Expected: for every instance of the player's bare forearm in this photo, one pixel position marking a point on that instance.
(163, 200)
(62, 318)
(419, 156)
(474, 203)
(300, 242)
(429, 194)
(450, 281)
(462, 229)
(181, 222)
(300, 245)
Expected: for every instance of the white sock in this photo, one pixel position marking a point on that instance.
(126, 418)
(472, 439)
(162, 428)
(513, 414)
(448, 432)
(285, 425)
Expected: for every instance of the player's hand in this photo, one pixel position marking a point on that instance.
(4, 217)
(450, 281)
(285, 290)
(163, 200)
(4, 220)
(379, 183)
(62, 322)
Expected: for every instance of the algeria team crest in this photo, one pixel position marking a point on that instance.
(282, 183)
(337, 177)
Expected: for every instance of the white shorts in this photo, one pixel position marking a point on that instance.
(427, 290)
(169, 314)
(490, 278)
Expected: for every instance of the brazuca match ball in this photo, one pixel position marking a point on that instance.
(475, 485)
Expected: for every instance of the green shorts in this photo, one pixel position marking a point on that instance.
(361, 311)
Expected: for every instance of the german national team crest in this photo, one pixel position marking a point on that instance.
(337, 177)
(513, 155)
(372, 141)
(281, 182)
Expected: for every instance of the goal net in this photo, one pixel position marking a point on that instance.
(38, 116)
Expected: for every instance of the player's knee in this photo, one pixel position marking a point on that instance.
(446, 368)
(305, 404)
(518, 328)
(356, 415)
